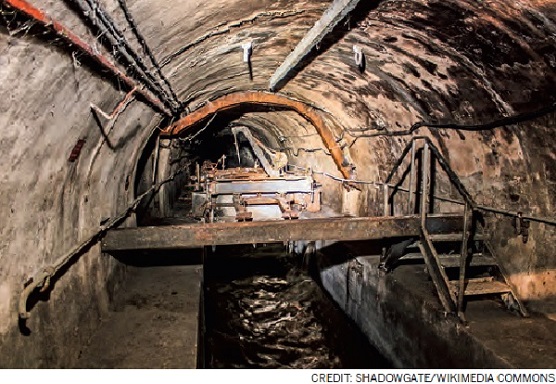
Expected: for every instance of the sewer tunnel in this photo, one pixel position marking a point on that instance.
(416, 135)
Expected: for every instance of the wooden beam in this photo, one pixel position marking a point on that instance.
(333, 15)
(199, 235)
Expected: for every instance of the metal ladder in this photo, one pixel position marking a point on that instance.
(458, 257)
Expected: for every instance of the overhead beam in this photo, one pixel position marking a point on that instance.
(333, 15)
(199, 235)
(237, 99)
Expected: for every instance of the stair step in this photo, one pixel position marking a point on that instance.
(444, 223)
(453, 260)
(445, 215)
(482, 286)
(448, 237)
(478, 260)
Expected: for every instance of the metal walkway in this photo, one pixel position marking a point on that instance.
(259, 232)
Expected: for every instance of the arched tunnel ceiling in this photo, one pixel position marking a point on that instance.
(438, 61)
(465, 60)
(426, 60)
(462, 61)
(455, 61)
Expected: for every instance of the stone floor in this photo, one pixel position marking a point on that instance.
(155, 323)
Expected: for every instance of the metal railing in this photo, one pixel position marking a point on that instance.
(449, 301)
(428, 146)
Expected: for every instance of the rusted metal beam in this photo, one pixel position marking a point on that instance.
(333, 15)
(235, 100)
(199, 235)
(71, 38)
(437, 273)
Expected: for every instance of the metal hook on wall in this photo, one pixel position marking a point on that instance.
(359, 58)
(247, 50)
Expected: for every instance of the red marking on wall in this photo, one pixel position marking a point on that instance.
(76, 151)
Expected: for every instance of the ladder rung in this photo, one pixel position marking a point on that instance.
(447, 215)
(453, 261)
(482, 287)
(447, 237)
(478, 260)
(412, 256)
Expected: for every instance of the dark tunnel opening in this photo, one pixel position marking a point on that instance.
(223, 140)
(215, 139)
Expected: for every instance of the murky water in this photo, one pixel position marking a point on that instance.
(263, 311)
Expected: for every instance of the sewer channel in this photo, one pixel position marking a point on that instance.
(263, 310)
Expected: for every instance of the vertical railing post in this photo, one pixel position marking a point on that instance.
(412, 181)
(386, 200)
(434, 267)
(425, 181)
(467, 219)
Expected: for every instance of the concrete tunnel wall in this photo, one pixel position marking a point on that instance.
(450, 61)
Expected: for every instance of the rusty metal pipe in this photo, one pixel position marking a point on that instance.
(235, 100)
(69, 37)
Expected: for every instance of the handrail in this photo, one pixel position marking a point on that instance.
(449, 300)
(452, 300)
(42, 280)
(402, 157)
(485, 208)
(458, 184)
(452, 176)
